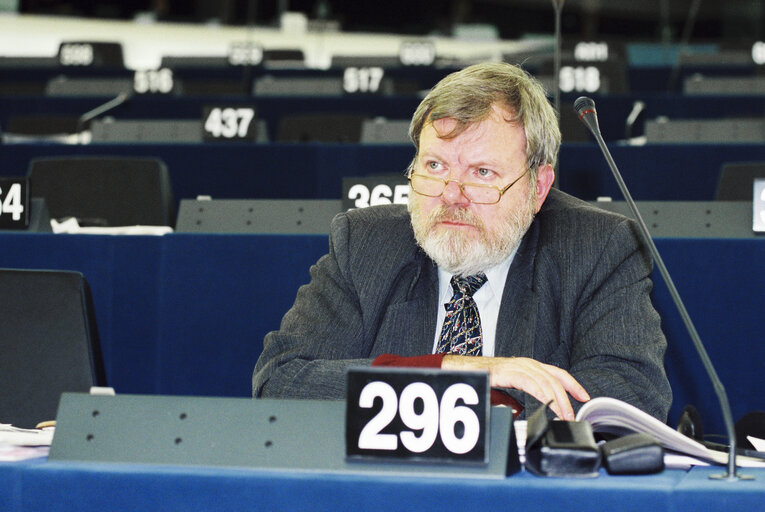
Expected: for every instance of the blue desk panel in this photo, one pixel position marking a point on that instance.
(240, 171)
(613, 109)
(186, 314)
(40, 485)
(655, 172)
(181, 314)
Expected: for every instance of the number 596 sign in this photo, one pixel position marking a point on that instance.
(417, 414)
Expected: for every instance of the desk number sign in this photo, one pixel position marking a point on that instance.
(417, 414)
(14, 203)
(227, 123)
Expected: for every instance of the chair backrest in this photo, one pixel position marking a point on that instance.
(320, 128)
(105, 191)
(49, 343)
(385, 131)
(42, 125)
(737, 181)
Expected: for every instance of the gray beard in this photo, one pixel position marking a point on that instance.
(460, 254)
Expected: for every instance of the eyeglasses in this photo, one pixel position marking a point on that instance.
(477, 193)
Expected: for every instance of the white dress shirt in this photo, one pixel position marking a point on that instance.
(488, 299)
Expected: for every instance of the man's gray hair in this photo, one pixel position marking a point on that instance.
(468, 95)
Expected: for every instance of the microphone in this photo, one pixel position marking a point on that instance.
(105, 107)
(585, 110)
(637, 109)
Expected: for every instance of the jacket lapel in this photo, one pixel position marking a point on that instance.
(409, 326)
(516, 325)
(426, 322)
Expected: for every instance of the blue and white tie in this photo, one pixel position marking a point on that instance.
(461, 333)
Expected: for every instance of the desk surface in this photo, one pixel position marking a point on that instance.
(58, 486)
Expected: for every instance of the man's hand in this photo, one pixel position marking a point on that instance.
(542, 381)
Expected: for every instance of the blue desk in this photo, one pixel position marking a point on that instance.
(656, 172)
(613, 109)
(186, 314)
(39, 485)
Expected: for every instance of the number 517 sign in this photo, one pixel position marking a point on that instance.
(417, 414)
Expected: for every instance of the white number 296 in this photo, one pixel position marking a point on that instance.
(426, 425)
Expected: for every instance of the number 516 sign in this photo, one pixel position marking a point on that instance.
(417, 414)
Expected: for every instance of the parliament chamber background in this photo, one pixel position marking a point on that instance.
(680, 95)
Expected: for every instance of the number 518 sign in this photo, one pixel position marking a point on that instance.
(417, 414)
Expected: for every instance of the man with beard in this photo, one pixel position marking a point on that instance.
(488, 268)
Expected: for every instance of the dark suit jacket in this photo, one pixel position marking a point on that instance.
(576, 296)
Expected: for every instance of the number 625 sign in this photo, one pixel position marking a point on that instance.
(417, 414)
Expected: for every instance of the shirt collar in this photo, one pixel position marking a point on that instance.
(495, 278)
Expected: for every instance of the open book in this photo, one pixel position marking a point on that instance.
(613, 416)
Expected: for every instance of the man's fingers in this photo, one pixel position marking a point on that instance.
(569, 382)
(546, 383)
(541, 384)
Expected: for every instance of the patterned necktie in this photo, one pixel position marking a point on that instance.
(461, 333)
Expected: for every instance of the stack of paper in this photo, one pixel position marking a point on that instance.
(21, 443)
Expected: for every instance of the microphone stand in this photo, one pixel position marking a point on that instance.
(685, 38)
(558, 6)
(109, 105)
(585, 110)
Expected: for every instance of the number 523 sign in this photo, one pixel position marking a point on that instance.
(417, 414)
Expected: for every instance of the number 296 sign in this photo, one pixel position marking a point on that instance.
(417, 414)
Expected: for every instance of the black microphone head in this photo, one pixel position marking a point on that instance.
(585, 111)
(582, 105)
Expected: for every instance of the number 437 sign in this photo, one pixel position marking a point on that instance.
(14, 203)
(417, 414)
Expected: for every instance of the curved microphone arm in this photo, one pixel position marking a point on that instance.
(585, 110)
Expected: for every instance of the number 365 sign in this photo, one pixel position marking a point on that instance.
(418, 414)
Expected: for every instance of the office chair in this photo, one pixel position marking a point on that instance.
(36, 127)
(104, 191)
(49, 343)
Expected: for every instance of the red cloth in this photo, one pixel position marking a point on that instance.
(434, 361)
(426, 361)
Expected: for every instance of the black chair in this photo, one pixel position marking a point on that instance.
(321, 128)
(105, 191)
(49, 343)
(737, 181)
(33, 127)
